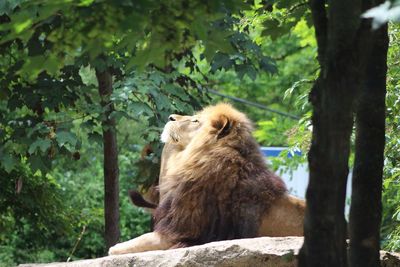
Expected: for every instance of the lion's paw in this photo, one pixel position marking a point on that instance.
(113, 250)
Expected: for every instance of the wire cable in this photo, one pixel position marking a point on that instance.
(254, 104)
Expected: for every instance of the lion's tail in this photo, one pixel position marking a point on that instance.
(138, 200)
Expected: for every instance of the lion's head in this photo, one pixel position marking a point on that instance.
(180, 129)
(212, 123)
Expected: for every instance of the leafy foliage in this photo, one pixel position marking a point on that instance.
(391, 185)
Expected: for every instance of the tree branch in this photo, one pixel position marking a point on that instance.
(293, 8)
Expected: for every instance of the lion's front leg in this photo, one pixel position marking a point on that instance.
(146, 242)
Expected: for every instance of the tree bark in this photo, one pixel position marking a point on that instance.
(325, 225)
(366, 205)
(332, 97)
(111, 170)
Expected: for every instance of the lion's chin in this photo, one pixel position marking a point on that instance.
(166, 136)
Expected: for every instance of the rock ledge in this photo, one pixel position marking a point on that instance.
(253, 252)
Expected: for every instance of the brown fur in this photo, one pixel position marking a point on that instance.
(224, 193)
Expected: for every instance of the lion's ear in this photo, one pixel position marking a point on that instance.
(222, 125)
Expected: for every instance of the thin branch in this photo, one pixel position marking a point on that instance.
(77, 243)
(289, 53)
(298, 5)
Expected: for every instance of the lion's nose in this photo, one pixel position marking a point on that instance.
(172, 118)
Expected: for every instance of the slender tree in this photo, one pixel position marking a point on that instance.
(366, 205)
(110, 150)
(345, 42)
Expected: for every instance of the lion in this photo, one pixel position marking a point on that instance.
(215, 185)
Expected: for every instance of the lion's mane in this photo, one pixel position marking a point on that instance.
(221, 187)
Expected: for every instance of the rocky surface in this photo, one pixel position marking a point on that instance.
(263, 251)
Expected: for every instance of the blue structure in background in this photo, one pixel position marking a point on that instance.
(297, 180)
(275, 151)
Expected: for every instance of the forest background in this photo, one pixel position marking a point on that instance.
(52, 116)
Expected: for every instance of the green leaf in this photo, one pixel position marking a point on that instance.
(162, 102)
(221, 61)
(246, 69)
(139, 108)
(286, 3)
(34, 65)
(95, 137)
(268, 65)
(88, 76)
(272, 29)
(199, 29)
(177, 91)
(37, 163)
(117, 115)
(42, 144)
(8, 162)
(157, 77)
(6, 6)
(64, 137)
(217, 41)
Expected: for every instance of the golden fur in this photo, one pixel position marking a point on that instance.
(214, 185)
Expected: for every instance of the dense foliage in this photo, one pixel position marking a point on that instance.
(391, 198)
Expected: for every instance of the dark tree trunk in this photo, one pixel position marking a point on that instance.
(343, 43)
(111, 171)
(325, 226)
(366, 206)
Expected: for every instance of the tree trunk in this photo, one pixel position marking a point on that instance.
(366, 206)
(341, 59)
(111, 171)
(325, 226)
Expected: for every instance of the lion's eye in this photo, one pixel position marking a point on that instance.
(196, 121)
